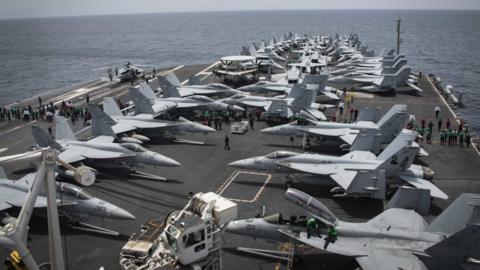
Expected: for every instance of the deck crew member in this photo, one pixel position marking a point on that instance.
(331, 236)
(312, 226)
(437, 111)
(227, 141)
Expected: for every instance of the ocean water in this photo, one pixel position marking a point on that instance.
(38, 55)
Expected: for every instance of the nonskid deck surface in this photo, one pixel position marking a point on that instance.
(204, 168)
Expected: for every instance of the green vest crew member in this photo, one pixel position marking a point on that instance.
(331, 236)
(311, 226)
(332, 232)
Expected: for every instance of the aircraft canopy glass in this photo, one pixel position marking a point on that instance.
(74, 191)
(280, 154)
(134, 147)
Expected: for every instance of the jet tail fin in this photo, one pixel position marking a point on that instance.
(393, 122)
(367, 140)
(252, 50)
(302, 97)
(278, 108)
(458, 251)
(101, 128)
(173, 79)
(310, 79)
(110, 108)
(390, 52)
(322, 81)
(402, 74)
(303, 101)
(369, 114)
(394, 80)
(169, 89)
(400, 153)
(143, 105)
(43, 139)
(194, 80)
(97, 113)
(136, 94)
(63, 131)
(395, 67)
(319, 79)
(3, 175)
(465, 210)
(146, 90)
(412, 199)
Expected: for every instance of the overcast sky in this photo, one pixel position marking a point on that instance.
(49, 8)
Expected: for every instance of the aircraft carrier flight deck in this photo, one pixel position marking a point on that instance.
(205, 168)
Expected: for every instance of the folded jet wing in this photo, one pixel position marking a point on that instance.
(342, 174)
(260, 104)
(415, 87)
(12, 197)
(424, 184)
(130, 125)
(348, 135)
(376, 80)
(79, 152)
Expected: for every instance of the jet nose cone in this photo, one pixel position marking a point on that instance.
(121, 214)
(166, 161)
(243, 164)
(205, 129)
(267, 130)
(233, 226)
(238, 163)
(237, 108)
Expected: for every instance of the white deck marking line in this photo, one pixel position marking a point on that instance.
(18, 127)
(76, 93)
(232, 178)
(450, 109)
(269, 177)
(170, 70)
(227, 182)
(202, 71)
(208, 75)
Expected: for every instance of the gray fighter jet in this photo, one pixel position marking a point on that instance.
(374, 68)
(358, 173)
(75, 202)
(143, 121)
(264, 53)
(194, 87)
(171, 95)
(100, 151)
(314, 82)
(400, 238)
(270, 227)
(388, 126)
(300, 99)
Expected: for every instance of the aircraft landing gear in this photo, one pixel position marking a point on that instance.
(288, 181)
(144, 175)
(76, 224)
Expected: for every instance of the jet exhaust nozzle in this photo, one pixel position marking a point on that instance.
(83, 175)
(127, 139)
(141, 138)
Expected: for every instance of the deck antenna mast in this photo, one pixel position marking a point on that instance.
(399, 40)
